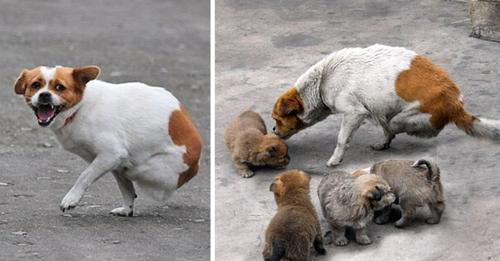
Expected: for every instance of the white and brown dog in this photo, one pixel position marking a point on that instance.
(142, 134)
(394, 87)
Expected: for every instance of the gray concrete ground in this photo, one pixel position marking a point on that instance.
(261, 49)
(163, 43)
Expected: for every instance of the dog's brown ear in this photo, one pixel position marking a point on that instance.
(277, 187)
(20, 85)
(289, 103)
(83, 75)
(289, 106)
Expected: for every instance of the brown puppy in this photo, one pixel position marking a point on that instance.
(416, 184)
(295, 228)
(247, 139)
(349, 201)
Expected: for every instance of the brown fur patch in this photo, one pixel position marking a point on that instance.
(438, 95)
(359, 172)
(183, 132)
(285, 112)
(73, 93)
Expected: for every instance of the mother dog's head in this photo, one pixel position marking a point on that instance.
(286, 110)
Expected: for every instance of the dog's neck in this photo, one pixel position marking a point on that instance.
(65, 118)
(309, 88)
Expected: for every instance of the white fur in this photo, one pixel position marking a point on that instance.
(48, 74)
(123, 129)
(360, 84)
(486, 128)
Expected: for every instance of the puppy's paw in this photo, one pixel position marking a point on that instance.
(70, 200)
(341, 241)
(320, 249)
(247, 173)
(381, 220)
(363, 240)
(402, 222)
(432, 220)
(332, 162)
(380, 146)
(122, 211)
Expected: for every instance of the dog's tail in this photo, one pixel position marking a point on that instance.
(278, 251)
(477, 127)
(432, 169)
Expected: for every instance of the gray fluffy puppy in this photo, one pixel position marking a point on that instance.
(415, 183)
(349, 201)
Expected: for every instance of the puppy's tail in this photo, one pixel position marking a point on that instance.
(278, 251)
(432, 169)
(477, 127)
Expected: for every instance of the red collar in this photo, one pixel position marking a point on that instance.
(70, 119)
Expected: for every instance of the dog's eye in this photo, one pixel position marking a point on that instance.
(36, 85)
(60, 87)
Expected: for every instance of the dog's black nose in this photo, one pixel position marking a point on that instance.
(44, 97)
(274, 129)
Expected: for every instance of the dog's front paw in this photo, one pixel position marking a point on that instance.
(401, 223)
(381, 220)
(333, 162)
(341, 241)
(122, 211)
(247, 173)
(380, 146)
(363, 240)
(70, 200)
(432, 220)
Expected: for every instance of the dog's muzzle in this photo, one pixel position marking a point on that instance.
(45, 109)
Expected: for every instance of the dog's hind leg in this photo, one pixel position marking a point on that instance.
(350, 124)
(436, 212)
(386, 143)
(318, 244)
(408, 212)
(128, 193)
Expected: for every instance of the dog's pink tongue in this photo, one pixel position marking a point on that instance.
(45, 114)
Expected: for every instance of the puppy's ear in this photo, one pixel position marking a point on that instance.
(20, 85)
(308, 177)
(83, 75)
(277, 188)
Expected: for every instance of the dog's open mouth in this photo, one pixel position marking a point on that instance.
(45, 113)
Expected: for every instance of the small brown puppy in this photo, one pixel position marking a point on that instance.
(247, 139)
(295, 227)
(349, 201)
(415, 184)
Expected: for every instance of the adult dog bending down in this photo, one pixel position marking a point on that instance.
(393, 87)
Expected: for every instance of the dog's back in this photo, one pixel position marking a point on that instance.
(409, 182)
(244, 122)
